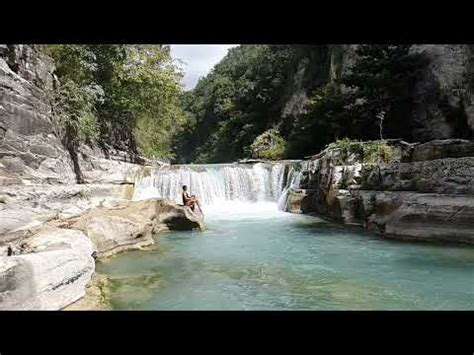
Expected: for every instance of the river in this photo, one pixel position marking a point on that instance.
(253, 256)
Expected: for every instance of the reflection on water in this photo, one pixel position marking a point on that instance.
(256, 257)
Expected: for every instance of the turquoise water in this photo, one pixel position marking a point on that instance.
(254, 257)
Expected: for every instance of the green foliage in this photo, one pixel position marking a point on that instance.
(126, 96)
(129, 97)
(88, 129)
(246, 93)
(370, 151)
(372, 100)
(239, 100)
(75, 107)
(325, 118)
(268, 145)
(382, 81)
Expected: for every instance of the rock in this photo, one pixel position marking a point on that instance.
(445, 176)
(425, 193)
(444, 90)
(30, 134)
(131, 224)
(421, 216)
(174, 216)
(15, 222)
(97, 296)
(298, 200)
(26, 209)
(52, 273)
(30, 148)
(97, 169)
(440, 149)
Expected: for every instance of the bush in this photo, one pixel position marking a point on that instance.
(76, 111)
(268, 145)
(370, 152)
(88, 129)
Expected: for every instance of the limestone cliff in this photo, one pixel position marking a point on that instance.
(30, 148)
(38, 174)
(444, 96)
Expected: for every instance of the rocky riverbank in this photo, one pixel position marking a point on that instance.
(404, 191)
(50, 268)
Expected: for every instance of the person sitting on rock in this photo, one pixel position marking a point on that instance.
(190, 201)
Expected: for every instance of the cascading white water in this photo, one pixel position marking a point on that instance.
(293, 182)
(218, 183)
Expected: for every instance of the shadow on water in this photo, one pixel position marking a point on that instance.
(432, 254)
(327, 227)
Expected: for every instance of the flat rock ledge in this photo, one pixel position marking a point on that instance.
(53, 268)
(131, 224)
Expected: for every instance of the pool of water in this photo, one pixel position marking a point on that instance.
(254, 257)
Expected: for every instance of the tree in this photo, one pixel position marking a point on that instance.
(239, 100)
(383, 78)
(124, 96)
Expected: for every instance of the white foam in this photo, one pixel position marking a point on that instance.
(224, 189)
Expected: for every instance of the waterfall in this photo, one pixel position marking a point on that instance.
(217, 183)
(293, 182)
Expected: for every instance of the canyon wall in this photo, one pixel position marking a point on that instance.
(444, 97)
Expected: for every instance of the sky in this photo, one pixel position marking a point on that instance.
(198, 60)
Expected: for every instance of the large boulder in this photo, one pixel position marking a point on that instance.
(131, 224)
(52, 271)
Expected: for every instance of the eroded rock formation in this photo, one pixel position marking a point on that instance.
(425, 192)
(131, 224)
(51, 272)
(51, 268)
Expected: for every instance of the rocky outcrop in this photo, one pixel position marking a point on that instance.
(299, 200)
(30, 149)
(37, 175)
(422, 216)
(445, 101)
(52, 267)
(52, 271)
(442, 149)
(424, 192)
(27, 208)
(131, 224)
(52, 224)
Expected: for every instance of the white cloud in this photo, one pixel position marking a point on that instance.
(198, 60)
